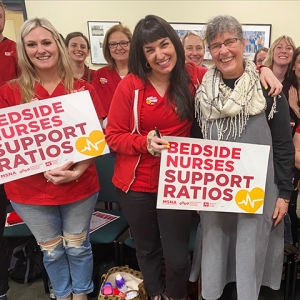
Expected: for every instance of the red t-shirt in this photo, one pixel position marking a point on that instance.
(35, 189)
(8, 61)
(105, 82)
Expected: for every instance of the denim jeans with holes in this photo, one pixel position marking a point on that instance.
(68, 264)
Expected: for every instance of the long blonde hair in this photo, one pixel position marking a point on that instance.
(269, 58)
(28, 75)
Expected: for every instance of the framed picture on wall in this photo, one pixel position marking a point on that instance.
(97, 31)
(257, 36)
(183, 28)
(17, 6)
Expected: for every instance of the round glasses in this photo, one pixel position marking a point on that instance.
(114, 45)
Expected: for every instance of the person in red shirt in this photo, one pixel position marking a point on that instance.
(56, 205)
(116, 46)
(79, 48)
(8, 55)
(8, 70)
(158, 92)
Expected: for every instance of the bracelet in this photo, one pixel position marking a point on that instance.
(76, 174)
(286, 200)
(150, 135)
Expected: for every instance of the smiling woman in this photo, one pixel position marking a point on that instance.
(158, 92)
(294, 78)
(42, 52)
(78, 48)
(193, 47)
(232, 106)
(279, 59)
(116, 47)
(44, 200)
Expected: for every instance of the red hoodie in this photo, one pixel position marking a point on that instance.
(123, 133)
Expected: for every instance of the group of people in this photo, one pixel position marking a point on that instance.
(283, 58)
(153, 63)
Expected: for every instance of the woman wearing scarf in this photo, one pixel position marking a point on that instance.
(232, 106)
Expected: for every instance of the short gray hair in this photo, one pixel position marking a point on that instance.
(221, 24)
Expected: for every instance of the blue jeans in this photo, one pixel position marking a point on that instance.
(69, 260)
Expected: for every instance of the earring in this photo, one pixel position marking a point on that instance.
(148, 65)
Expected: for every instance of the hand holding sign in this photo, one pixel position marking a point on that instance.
(212, 175)
(43, 135)
(156, 143)
(61, 174)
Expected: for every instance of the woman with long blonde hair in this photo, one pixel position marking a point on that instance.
(56, 205)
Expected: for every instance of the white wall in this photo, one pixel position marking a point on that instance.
(72, 15)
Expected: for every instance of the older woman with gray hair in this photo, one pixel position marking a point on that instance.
(232, 106)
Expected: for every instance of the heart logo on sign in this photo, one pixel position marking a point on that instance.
(93, 145)
(251, 201)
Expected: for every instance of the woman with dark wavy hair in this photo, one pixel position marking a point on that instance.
(294, 78)
(158, 92)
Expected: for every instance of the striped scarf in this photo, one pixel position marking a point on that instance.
(229, 110)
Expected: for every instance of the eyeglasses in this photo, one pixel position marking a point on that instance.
(215, 47)
(122, 44)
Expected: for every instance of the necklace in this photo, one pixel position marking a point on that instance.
(161, 88)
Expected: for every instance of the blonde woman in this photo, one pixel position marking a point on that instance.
(194, 48)
(279, 59)
(56, 205)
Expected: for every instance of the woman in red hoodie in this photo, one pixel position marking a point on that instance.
(157, 93)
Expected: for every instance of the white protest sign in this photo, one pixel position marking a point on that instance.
(42, 135)
(211, 175)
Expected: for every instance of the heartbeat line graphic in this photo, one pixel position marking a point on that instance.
(90, 145)
(24, 170)
(249, 200)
